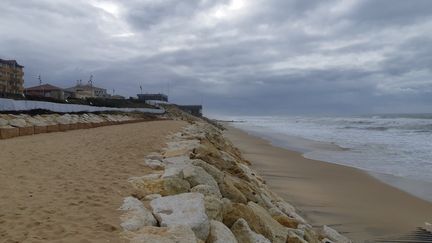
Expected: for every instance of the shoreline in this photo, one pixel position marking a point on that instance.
(310, 148)
(349, 199)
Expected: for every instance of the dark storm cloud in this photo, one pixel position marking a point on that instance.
(235, 56)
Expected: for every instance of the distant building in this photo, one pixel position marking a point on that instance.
(46, 90)
(117, 97)
(11, 77)
(152, 97)
(82, 91)
(195, 110)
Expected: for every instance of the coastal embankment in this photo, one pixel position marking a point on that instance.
(348, 199)
(177, 180)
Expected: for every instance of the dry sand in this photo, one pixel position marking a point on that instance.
(348, 199)
(67, 187)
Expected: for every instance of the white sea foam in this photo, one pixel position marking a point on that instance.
(398, 145)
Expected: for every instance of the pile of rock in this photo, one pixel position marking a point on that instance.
(23, 124)
(202, 190)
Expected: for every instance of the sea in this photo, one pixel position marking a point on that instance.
(396, 148)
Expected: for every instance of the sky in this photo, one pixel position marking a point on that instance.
(235, 57)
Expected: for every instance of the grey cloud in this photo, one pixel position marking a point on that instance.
(250, 57)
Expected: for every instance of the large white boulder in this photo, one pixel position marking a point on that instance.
(183, 209)
(3, 122)
(219, 233)
(18, 122)
(196, 175)
(135, 216)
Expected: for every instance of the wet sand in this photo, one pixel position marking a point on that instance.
(67, 186)
(347, 199)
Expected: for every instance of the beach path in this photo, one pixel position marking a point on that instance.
(67, 186)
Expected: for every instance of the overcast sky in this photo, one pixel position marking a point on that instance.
(233, 56)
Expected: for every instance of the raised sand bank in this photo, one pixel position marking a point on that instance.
(67, 187)
(348, 199)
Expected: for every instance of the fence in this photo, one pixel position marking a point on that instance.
(26, 105)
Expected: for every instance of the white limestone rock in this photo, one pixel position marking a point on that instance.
(219, 233)
(206, 190)
(64, 119)
(154, 164)
(217, 174)
(18, 122)
(3, 122)
(198, 176)
(183, 209)
(136, 215)
(244, 234)
(333, 235)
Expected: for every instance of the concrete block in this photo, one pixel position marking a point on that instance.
(9, 132)
(63, 127)
(84, 125)
(40, 129)
(25, 131)
(53, 128)
(73, 126)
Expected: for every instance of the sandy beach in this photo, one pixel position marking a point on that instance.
(67, 187)
(347, 199)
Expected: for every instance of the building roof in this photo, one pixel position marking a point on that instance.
(10, 62)
(83, 86)
(44, 87)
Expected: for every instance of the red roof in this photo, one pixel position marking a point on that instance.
(43, 87)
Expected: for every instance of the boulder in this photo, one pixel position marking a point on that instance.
(244, 234)
(154, 164)
(293, 238)
(250, 191)
(231, 192)
(263, 223)
(164, 186)
(219, 233)
(333, 235)
(183, 209)
(18, 122)
(176, 152)
(206, 190)
(3, 122)
(289, 210)
(258, 219)
(285, 207)
(173, 234)
(136, 215)
(212, 170)
(198, 176)
(213, 207)
(227, 206)
(283, 219)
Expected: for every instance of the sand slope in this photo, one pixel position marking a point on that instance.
(66, 187)
(345, 198)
